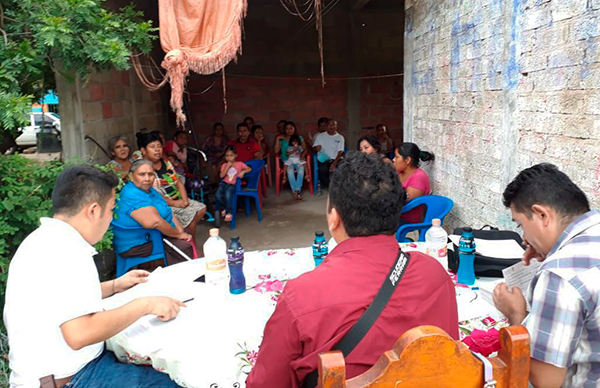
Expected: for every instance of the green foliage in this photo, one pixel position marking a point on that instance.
(68, 36)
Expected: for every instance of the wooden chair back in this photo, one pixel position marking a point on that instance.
(427, 357)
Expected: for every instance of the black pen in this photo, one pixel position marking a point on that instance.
(188, 300)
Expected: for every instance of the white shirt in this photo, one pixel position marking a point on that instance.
(330, 144)
(52, 279)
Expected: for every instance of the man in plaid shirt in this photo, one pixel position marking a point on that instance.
(564, 322)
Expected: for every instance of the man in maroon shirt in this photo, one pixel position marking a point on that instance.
(247, 148)
(318, 308)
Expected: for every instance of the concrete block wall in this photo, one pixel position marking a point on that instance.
(495, 86)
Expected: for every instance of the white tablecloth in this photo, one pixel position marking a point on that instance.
(214, 341)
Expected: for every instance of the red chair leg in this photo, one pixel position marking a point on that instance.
(269, 172)
(277, 177)
(263, 181)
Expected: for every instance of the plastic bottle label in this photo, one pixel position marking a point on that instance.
(438, 252)
(216, 265)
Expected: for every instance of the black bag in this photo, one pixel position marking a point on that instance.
(484, 265)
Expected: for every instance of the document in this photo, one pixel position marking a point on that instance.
(520, 275)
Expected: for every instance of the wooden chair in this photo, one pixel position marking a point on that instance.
(426, 357)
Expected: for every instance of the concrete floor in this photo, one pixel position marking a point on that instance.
(286, 223)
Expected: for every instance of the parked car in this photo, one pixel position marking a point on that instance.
(28, 136)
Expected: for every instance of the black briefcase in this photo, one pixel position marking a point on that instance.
(486, 266)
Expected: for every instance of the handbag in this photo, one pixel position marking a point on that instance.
(368, 318)
(487, 265)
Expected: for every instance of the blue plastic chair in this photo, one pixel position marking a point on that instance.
(436, 206)
(248, 191)
(122, 242)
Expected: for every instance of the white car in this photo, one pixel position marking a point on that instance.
(28, 136)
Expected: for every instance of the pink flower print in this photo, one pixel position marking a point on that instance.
(264, 277)
(251, 356)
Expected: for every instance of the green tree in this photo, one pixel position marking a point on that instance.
(41, 37)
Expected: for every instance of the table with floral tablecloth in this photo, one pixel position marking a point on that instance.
(214, 341)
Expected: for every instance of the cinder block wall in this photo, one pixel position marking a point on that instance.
(495, 86)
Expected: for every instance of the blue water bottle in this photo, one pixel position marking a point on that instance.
(235, 259)
(466, 258)
(320, 249)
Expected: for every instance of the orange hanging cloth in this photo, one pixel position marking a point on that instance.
(198, 35)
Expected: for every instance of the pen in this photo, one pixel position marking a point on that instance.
(188, 300)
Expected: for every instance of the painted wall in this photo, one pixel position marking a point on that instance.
(495, 86)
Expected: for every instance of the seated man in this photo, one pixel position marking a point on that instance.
(318, 308)
(561, 232)
(330, 149)
(321, 128)
(247, 148)
(53, 313)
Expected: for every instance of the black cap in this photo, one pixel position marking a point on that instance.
(468, 229)
(319, 233)
(235, 238)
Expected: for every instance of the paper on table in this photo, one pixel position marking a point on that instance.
(500, 249)
(520, 275)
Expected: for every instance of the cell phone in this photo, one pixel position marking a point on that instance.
(201, 279)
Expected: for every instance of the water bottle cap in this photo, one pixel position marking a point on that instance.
(235, 238)
(468, 229)
(436, 222)
(319, 233)
(213, 232)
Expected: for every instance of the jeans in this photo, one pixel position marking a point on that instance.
(324, 173)
(295, 180)
(225, 197)
(107, 372)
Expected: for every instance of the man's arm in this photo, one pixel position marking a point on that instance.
(280, 346)
(336, 160)
(98, 327)
(543, 375)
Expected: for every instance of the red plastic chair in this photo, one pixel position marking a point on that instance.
(279, 174)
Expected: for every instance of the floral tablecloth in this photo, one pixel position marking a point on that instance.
(214, 341)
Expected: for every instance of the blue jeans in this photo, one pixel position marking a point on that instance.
(225, 197)
(295, 180)
(107, 372)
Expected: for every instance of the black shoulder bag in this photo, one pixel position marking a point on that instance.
(366, 321)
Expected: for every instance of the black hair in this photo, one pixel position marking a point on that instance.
(237, 127)
(379, 125)
(157, 133)
(281, 122)
(292, 124)
(179, 132)
(412, 150)
(255, 127)
(367, 194)
(295, 137)
(230, 148)
(322, 120)
(215, 125)
(372, 140)
(143, 139)
(545, 184)
(248, 117)
(78, 186)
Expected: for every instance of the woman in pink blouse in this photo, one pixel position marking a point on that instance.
(415, 181)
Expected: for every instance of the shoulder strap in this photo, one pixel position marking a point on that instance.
(366, 321)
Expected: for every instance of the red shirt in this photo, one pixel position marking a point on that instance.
(317, 309)
(245, 151)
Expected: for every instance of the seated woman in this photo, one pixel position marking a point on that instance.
(295, 173)
(214, 148)
(259, 136)
(414, 180)
(370, 145)
(120, 152)
(140, 205)
(168, 184)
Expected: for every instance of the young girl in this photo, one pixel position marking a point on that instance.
(294, 160)
(230, 171)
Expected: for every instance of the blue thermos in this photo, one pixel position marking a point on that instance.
(466, 258)
(320, 249)
(235, 259)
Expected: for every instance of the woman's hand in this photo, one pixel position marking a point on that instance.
(184, 236)
(178, 203)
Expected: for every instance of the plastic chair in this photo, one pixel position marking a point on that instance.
(279, 174)
(436, 206)
(251, 190)
(122, 242)
(427, 357)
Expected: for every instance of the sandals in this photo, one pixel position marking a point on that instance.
(228, 217)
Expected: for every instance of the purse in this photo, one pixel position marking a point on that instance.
(487, 265)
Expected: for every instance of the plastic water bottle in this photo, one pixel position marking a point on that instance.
(320, 249)
(466, 257)
(437, 242)
(235, 258)
(215, 254)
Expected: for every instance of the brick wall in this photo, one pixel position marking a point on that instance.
(494, 86)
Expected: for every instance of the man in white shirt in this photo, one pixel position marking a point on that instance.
(53, 313)
(330, 149)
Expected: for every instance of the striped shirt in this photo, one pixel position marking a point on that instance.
(564, 322)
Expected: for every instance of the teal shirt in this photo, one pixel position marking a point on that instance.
(284, 147)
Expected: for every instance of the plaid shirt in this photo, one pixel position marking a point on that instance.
(564, 322)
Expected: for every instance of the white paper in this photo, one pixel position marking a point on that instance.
(500, 249)
(520, 275)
